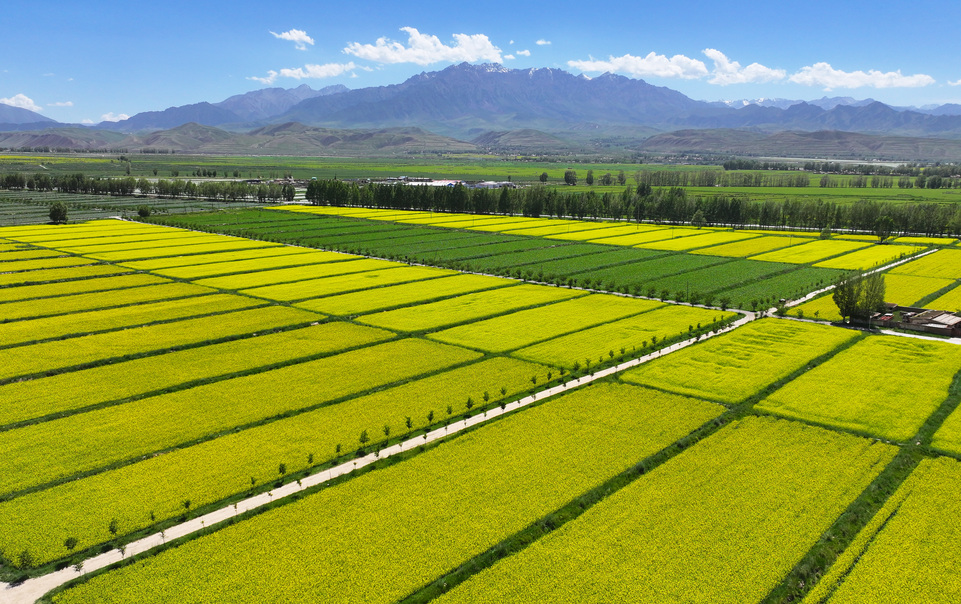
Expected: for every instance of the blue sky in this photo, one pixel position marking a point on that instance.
(90, 61)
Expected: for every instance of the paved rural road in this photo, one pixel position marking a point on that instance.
(31, 590)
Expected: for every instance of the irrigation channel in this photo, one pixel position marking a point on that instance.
(32, 589)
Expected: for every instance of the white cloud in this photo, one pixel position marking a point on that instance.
(957, 83)
(22, 101)
(424, 49)
(524, 53)
(509, 57)
(653, 65)
(543, 42)
(822, 74)
(63, 104)
(114, 117)
(328, 70)
(727, 71)
(298, 36)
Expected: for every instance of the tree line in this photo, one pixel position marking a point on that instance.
(645, 203)
(128, 186)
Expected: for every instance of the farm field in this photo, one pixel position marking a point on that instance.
(950, 301)
(813, 251)
(904, 290)
(909, 551)
(944, 264)
(205, 374)
(733, 368)
(707, 555)
(613, 339)
(871, 257)
(413, 519)
(594, 257)
(846, 392)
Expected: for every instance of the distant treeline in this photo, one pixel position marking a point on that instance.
(643, 203)
(78, 183)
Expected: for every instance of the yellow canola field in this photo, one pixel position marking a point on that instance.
(80, 286)
(883, 386)
(407, 294)
(695, 241)
(363, 281)
(114, 382)
(215, 469)
(905, 290)
(220, 245)
(723, 522)
(911, 549)
(168, 420)
(61, 354)
(60, 274)
(217, 257)
(740, 364)
(418, 519)
(811, 252)
(604, 343)
(468, 307)
(945, 264)
(42, 263)
(201, 271)
(950, 301)
(297, 273)
(527, 327)
(78, 323)
(749, 247)
(874, 256)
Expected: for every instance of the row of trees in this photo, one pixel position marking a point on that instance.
(128, 186)
(643, 202)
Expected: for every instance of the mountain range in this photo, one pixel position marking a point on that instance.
(494, 108)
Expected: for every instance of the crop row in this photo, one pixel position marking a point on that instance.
(403, 295)
(216, 258)
(145, 313)
(62, 354)
(117, 381)
(386, 533)
(109, 435)
(343, 283)
(79, 286)
(203, 268)
(44, 263)
(526, 327)
(60, 274)
(467, 307)
(674, 536)
(298, 273)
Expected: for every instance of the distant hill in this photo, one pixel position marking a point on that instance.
(77, 138)
(822, 144)
(201, 113)
(18, 115)
(463, 98)
(268, 102)
(522, 140)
